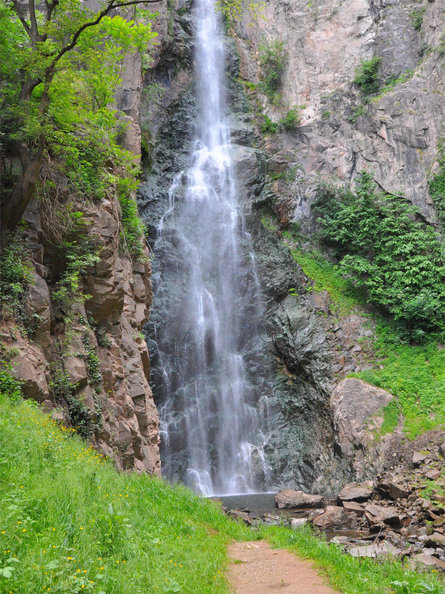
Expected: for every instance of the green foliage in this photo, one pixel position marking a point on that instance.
(84, 524)
(93, 364)
(58, 87)
(350, 574)
(267, 125)
(9, 386)
(417, 17)
(391, 414)
(273, 57)
(327, 277)
(14, 275)
(414, 374)
(393, 82)
(234, 10)
(70, 520)
(393, 258)
(81, 255)
(366, 76)
(358, 112)
(291, 120)
(133, 229)
(81, 418)
(437, 187)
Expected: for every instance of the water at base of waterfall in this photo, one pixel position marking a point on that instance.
(210, 422)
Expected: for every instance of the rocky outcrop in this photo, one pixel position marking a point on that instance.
(395, 136)
(105, 331)
(87, 362)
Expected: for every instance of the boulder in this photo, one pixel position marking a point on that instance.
(356, 491)
(334, 518)
(374, 550)
(423, 560)
(418, 458)
(379, 514)
(291, 499)
(353, 506)
(353, 404)
(393, 488)
(297, 523)
(436, 539)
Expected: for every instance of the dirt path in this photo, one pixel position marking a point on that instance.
(256, 568)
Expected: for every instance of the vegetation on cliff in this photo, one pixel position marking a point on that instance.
(60, 65)
(388, 253)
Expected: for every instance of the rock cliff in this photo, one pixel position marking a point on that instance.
(85, 359)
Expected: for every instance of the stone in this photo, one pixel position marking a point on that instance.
(334, 518)
(432, 474)
(378, 514)
(418, 458)
(297, 523)
(376, 549)
(291, 499)
(353, 506)
(436, 539)
(353, 403)
(392, 488)
(425, 560)
(442, 450)
(356, 491)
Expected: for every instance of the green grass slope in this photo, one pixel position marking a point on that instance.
(70, 523)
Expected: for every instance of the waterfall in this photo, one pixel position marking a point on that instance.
(210, 421)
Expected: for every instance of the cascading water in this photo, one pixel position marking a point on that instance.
(210, 424)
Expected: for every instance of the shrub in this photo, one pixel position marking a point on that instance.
(267, 125)
(291, 120)
(84, 420)
(391, 256)
(9, 386)
(437, 187)
(14, 275)
(273, 61)
(133, 228)
(417, 17)
(366, 76)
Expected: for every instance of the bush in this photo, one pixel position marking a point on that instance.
(9, 386)
(393, 258)
(273, 61)
(81, 418)
(417, 17)
(366, 76)
(291, 120)
(133, 228)
(267, 125)
(437, 187)
(14, 276)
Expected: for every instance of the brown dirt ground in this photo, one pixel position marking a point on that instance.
(256, 568)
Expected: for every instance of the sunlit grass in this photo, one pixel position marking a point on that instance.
(70, 523)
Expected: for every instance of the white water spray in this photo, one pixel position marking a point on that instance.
(210, 424)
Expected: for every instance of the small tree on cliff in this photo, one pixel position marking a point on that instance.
(60, 65)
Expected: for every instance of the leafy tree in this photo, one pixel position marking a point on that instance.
(388, 252)
(60, 65)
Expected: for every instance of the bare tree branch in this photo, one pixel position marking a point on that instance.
(18, 10)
